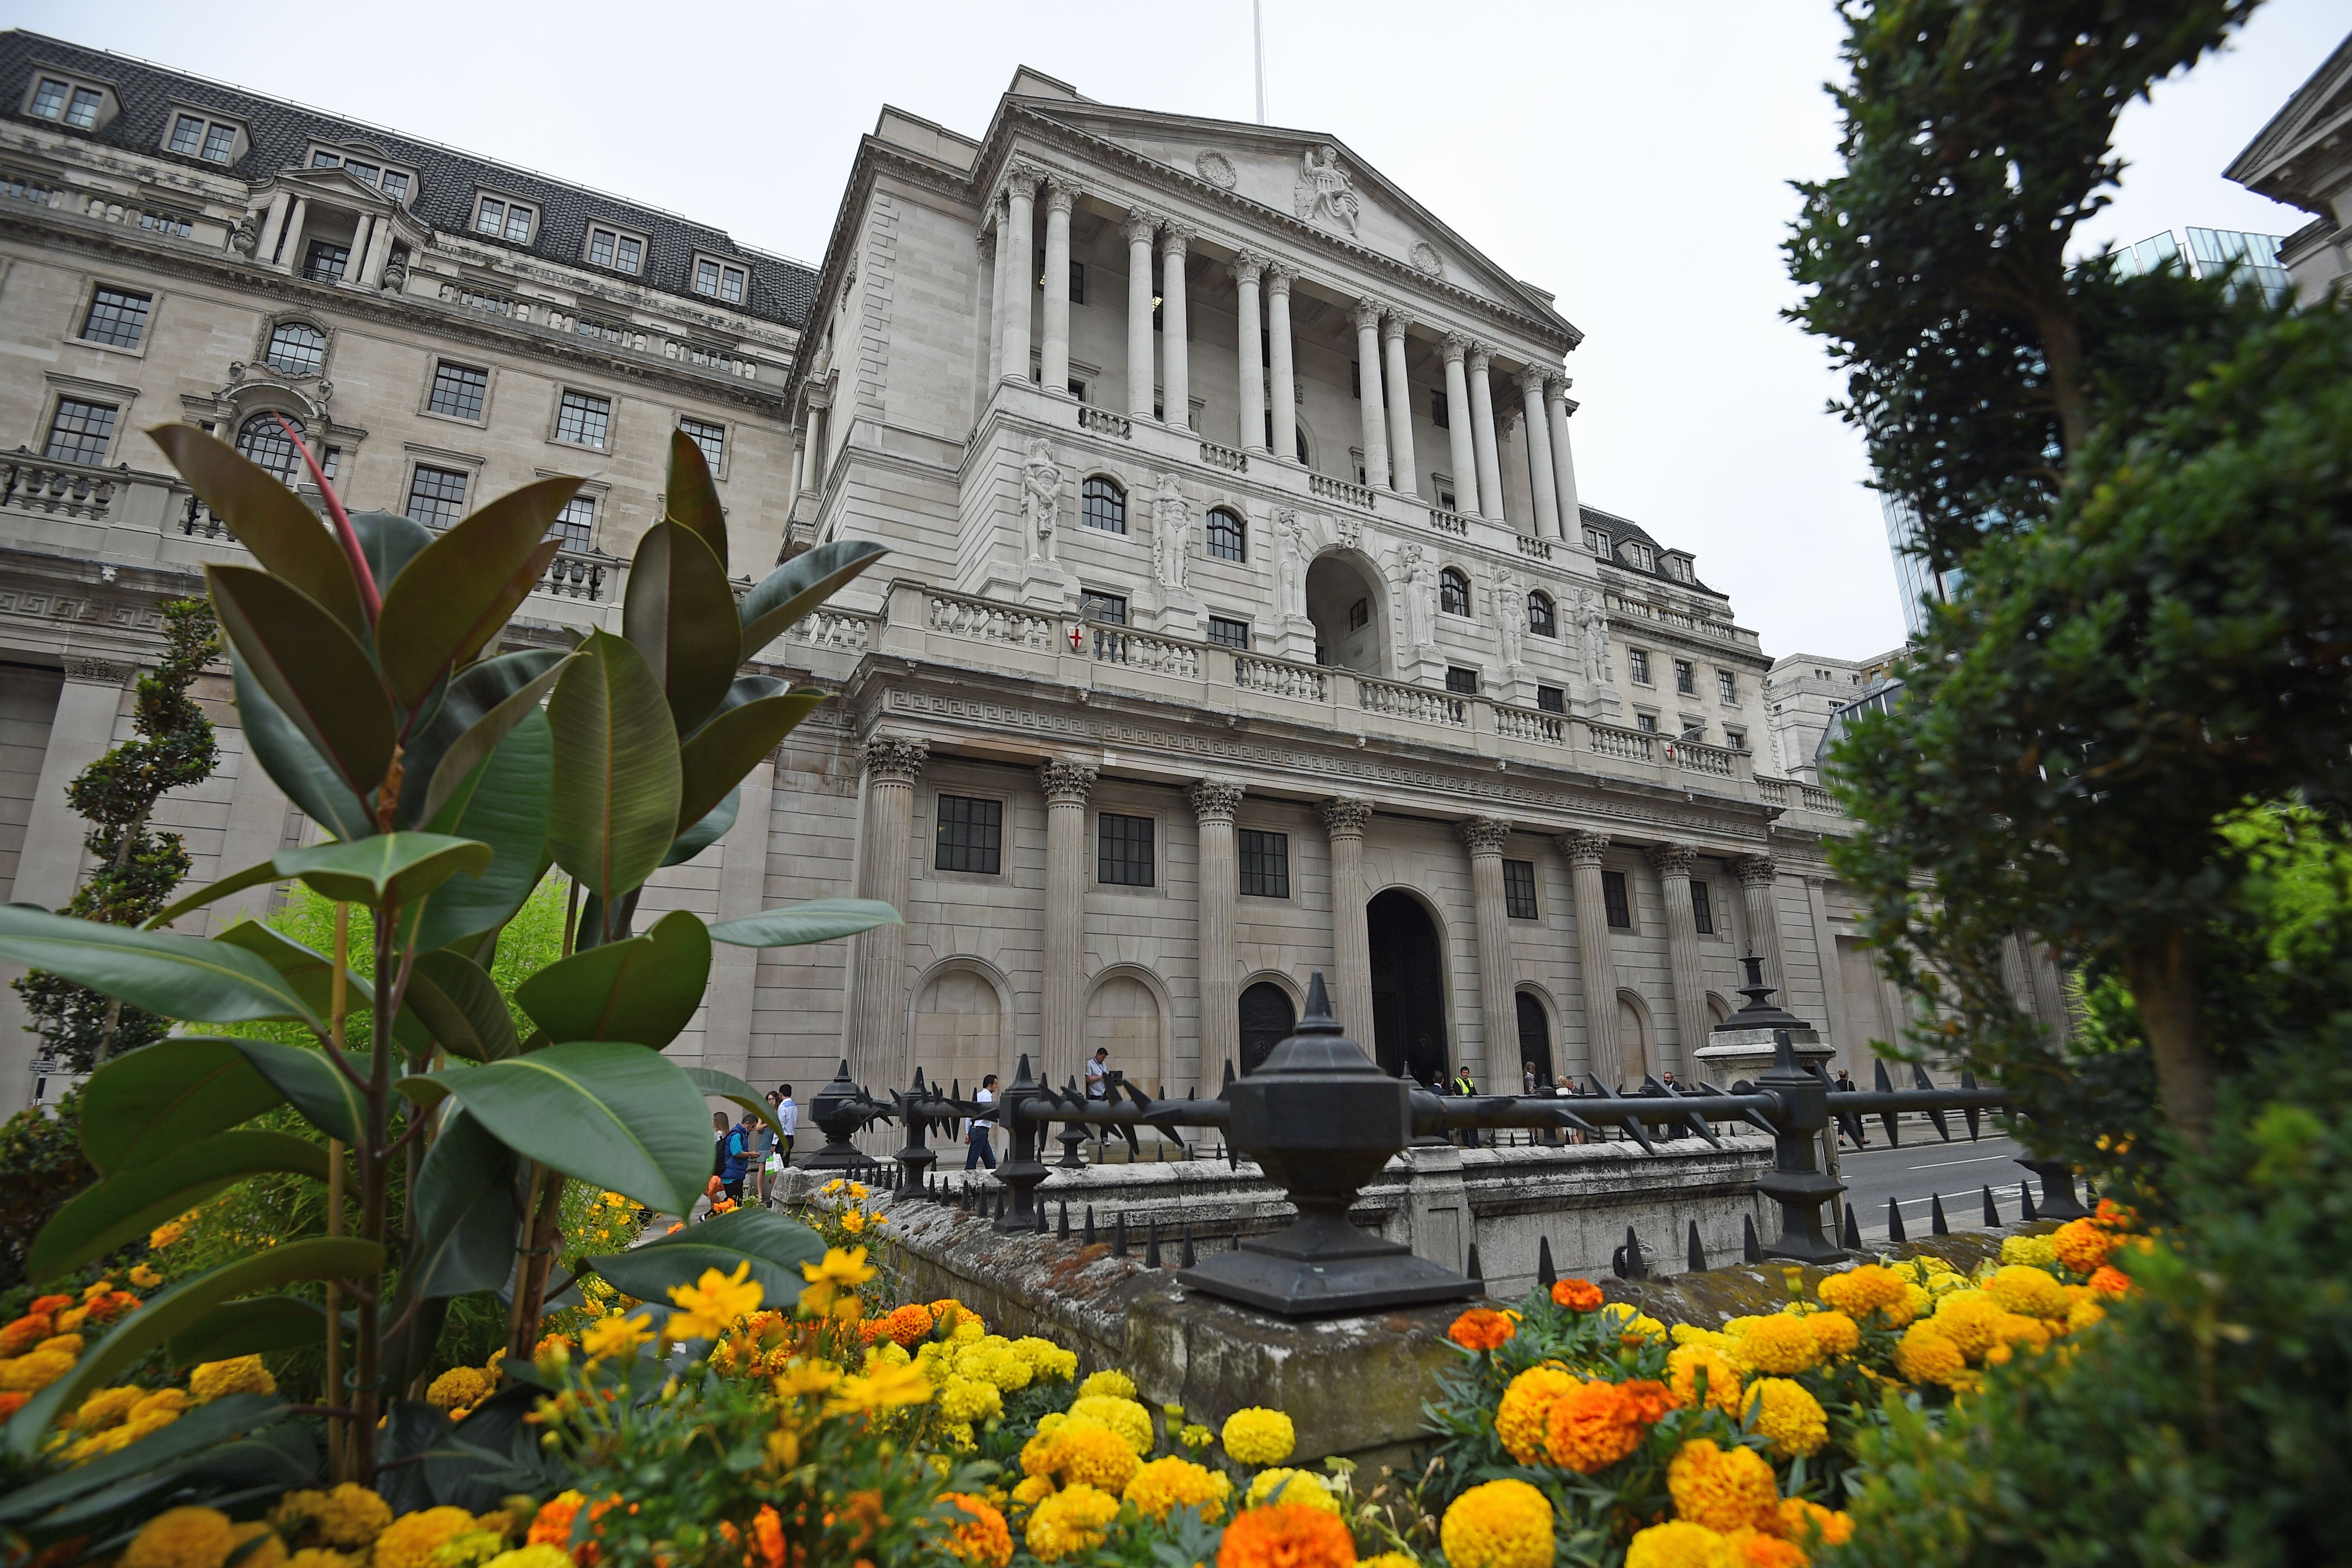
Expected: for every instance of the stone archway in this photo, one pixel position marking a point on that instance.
(1346, 602)
(1267, 1019)
(1408, 987)
(1633, 1040)
(957, 1027)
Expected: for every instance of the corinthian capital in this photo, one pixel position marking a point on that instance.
(1060, 196)
(1556, 385)
(1215, 800)
(1249, 266)
(1455, 344)
(1175, 236)
(1583, 848)
(1346, 815)
(1674, 859)
(1066, 783)
(1365, 315)
(1479, 359)
(1394, 325)
(896, 759)
(1756, 870)
(1023, 180)
(1279, 278)
(1139, 225)
(1484, 835)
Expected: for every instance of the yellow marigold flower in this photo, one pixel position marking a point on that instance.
(1525, 1405)
(107, 1407)
(2034, 1251)
(460, 1386)
(2033, 1292)
(616, 1335)
(887, 1354)
(1927, 1355)
(1090, 1453)
(181, 1538)
(349, 1516)
(1196, 1436)
(1971, 1319)
(2083, 1245)
(145, 1277)
(715, 1304)
(266, 1551)
(1268, 1488)
(2082, 1314)
(1685, 1363)
(1834, 1334)
(883, 1389)
(1030, 1488)
(968, 1399)
(1780, 1344)
(1256, 1436)
(34, 1370)
(1860, 1291)
(1722, 1489)
(1165, 1485)
(1500, 1524)
(1115, 1385)
(1070, 1523)
(165, 1235)
(218, 1379)
(1755, 1548)
(319, 1557)
(540, 1556)
(977, 1532)
(162, 1402)
(1809, 1524)
(1786, 1411)
(1124, 1416)
(1678, 1543)
(410, 1541)
(1046, 1359)
(1629, 1324)
(63, 1344)
(1388, 1560)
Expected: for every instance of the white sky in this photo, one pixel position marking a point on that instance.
(1634, 164)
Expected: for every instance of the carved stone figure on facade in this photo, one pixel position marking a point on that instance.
(1291, 539)
(1593, 627)
(1420, 597)
(243, 237)
(1041, 499)
(1171, 533)
(1510, 614)
(1325, 190)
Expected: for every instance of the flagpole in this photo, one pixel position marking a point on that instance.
(1257, 38)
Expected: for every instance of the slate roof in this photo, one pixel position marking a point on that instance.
(1621, 528)
(280, 134)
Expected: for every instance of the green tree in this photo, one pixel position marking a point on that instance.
(137, 866)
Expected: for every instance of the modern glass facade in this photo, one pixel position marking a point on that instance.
(2213, 253)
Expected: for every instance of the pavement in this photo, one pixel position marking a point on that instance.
(1925, 1165)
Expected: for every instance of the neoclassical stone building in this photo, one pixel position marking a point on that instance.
(1243, 617)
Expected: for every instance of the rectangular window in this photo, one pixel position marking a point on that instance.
(219, 142)
(711, 438)
(1726, 686)
(1460, 679)
(503, 220)
(1596, 541)
(49, 99)
(396, 185)
(1445, 502)
(1109, 608)
(1519, 891)
(327, 261)
(1226, 632)
(610, 248)
(82, 112)
(330, 460)
(584, 419)
(718, 280)
(1612, 898)
(1078, 282)
(1736, 739)
(1686, 677)
(972, 835)
(436, 497)
(79, 432)
(1439, 414)
(1124, 860)
(1702, 909)
(1359, 615)
(575, 525)
(1637, 665)
(1640, 553)
(365, 172)
(118, 317)
(187, 135)
(1550, 699)
(1646, 722)
(458, 391)
(1355, 379)
(1264, 863)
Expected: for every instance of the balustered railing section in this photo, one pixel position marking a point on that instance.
(1626, 745)
(849, 631)
(65, 489)
(1339, 491)
(587, 574)
(1415, 702)
(1103, 422)
(1716, 761)
(1533, 548)
(1280, 677)
(1232, 459)
(1141, 650)
(1452, 522)
(1531, 724)
(984, 622)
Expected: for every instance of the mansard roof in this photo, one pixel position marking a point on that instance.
(1621, 528)
(280, 134)
(2319, 113)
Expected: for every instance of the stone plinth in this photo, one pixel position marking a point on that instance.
(1730, 1055)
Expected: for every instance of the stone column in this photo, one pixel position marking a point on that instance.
(1282, 382)
(1499, 1004)
(992, 256)
(878, 1004)
(1482, 434)
(1563, 465)
(1248, 269)
(1584, 852)
(1836, 1027)
(1757, 876)
(1345, 818)
(819, 440)
(1062, 1031)
(1176, 384)
(255, 831)
(48, 867)
(1542, 482)
(379, 251)
(1138, 229)
(1366, 319)
(1468, 498)
(1213, 802)
(1054, 370)
(1673, 863)
(1397, 391)
(1013, 251)
(273, 224)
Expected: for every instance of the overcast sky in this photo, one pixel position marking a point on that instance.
(1634, 164)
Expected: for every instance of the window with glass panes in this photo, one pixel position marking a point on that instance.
(81, 113)
(970, 834)
(610, 248)
(1123, 845)
(116, 316)
(1228, 540)
(1109, 608)
(711, 438)
(584, 419)
(1453, 592)
(1542, 619)
(719, 280)
(1519, 889)
(327, 261)
(1686, 677)
(187, 134)
(503, 219)
(1439, 414)
(296, 348)
(458, 391)
(1103, 504)
(436, 497)
(1702, 909)
(575, 525)
(1551, 700)
(1637, 664)
(1646, 722)
(1614, 900)
(1226, 632)
(263, 442)
(1726, 686)
(80, 431)
(1264, 863)
(49, 99)
(1460, 679)
(220, 141)
(1359, 615)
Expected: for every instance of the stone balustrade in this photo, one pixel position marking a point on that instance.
(1452, 522)
(1526, 725)
(986, 622)
(1231, 459)
(1103, 422)
(1417, 702)
(1533, 548)
(1280, 677)
(846, 630)
(1628, 745)
(1325, 488)
(51, 489)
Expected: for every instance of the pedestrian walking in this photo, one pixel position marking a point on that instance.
(787, 1119)
(1098, 1075)
(764, 1164)
(740, 1146)
(977, 1131)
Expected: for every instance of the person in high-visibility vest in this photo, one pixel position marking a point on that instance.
(1464, 1085)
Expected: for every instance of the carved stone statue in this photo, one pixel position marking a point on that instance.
(1291, 541)
(243, 237)
(1510, 614)
(1325, 192)
(1041, 499)
(1420, 597)
(1171, 533)
(1592, 626)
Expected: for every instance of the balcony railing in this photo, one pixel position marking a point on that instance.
(986, 622)
(1340, 490)
(1626, 745)
(1280, 677)
(1533, 548)
(1452, 522)
(1103, 422)
(1231, 459)
(845, 630)
(1413, 703)
(1716, 761)
(65, 489)
(1525, 724)
(1164, 656)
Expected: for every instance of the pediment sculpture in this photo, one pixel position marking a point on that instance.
(1326, 192)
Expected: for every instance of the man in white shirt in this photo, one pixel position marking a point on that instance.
(788, 1117)
(977, 1133)
(1098, 1075)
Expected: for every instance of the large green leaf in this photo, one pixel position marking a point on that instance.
(503, 803)
(642, 990)
(292, 764)
(817, 920)
(315, 671)
(249, 1327)
(484, 702)
(680, 613)
(602, 1111)
(459, 590)
(253, 876)
(392, 869)
(616, 769)
(466, 1218)
(800, 586)
(97, 1220)
(148, 1104)
(714, 826)
(174, 1311)
(689, 498)
(287, 537)
(177, 976)
(774, 1246)
(722, 751)
(204, 1428)
(390, 542)
(461, 1006)
(727, 1086)
(311, 975)
(308, 1079)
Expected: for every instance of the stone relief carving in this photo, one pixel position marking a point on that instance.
(1510, 614)
(1424, 256)
(1291, 539)
(1350, 532)
(1041, 499)
(1171, 533)
(1420, 596)
(1326, 192)
(1593, 627)
(243, 237)
(1216, 168)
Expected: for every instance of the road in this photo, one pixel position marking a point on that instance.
(1925, 1165)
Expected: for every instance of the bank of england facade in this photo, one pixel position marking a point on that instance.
(1241, 617)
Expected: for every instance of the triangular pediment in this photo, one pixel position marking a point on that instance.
(338, 185)
(2320, 108)
(1312, 178)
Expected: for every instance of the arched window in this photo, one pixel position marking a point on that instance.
(1453, 592)
(296, 348)
(1228, 540)
(262, 441)
(1541, 618)
(1104, 505)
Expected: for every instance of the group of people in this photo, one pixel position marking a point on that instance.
(753, 1150)
(980, 1131)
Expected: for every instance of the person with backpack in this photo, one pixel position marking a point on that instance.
(738, 1148)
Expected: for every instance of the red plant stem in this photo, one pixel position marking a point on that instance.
(369, 597)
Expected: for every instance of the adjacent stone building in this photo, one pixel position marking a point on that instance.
(1243, 617)
(2303, 158)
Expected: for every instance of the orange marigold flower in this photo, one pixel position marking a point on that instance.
(768, 1538)
(1809, 1524)
(1521, 1416)
(2083, 1245)
(1575, 1295)
(1754, 1549)
(1647, 1398)
(1723, 1489)
(1591, 1426)
(907, 1326)
(982, 1538)
(25, 1333)
(2110, 1281)
(552, 1524)
(12, 1402)
(1288, 1535)
(1481, 1329)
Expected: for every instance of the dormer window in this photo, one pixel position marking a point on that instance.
(611, 247)
(1640, 554)
(1678, 568)
(503, 219)
(1597, 541)
(394, 183)
(76, 105)
(719, 280)
(195, 135)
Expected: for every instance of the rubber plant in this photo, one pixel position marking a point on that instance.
(373, 684)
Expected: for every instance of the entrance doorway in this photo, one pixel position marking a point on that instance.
(1267, 1020)
(1349, 628)
(1408, 987)
(1535, 1038)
